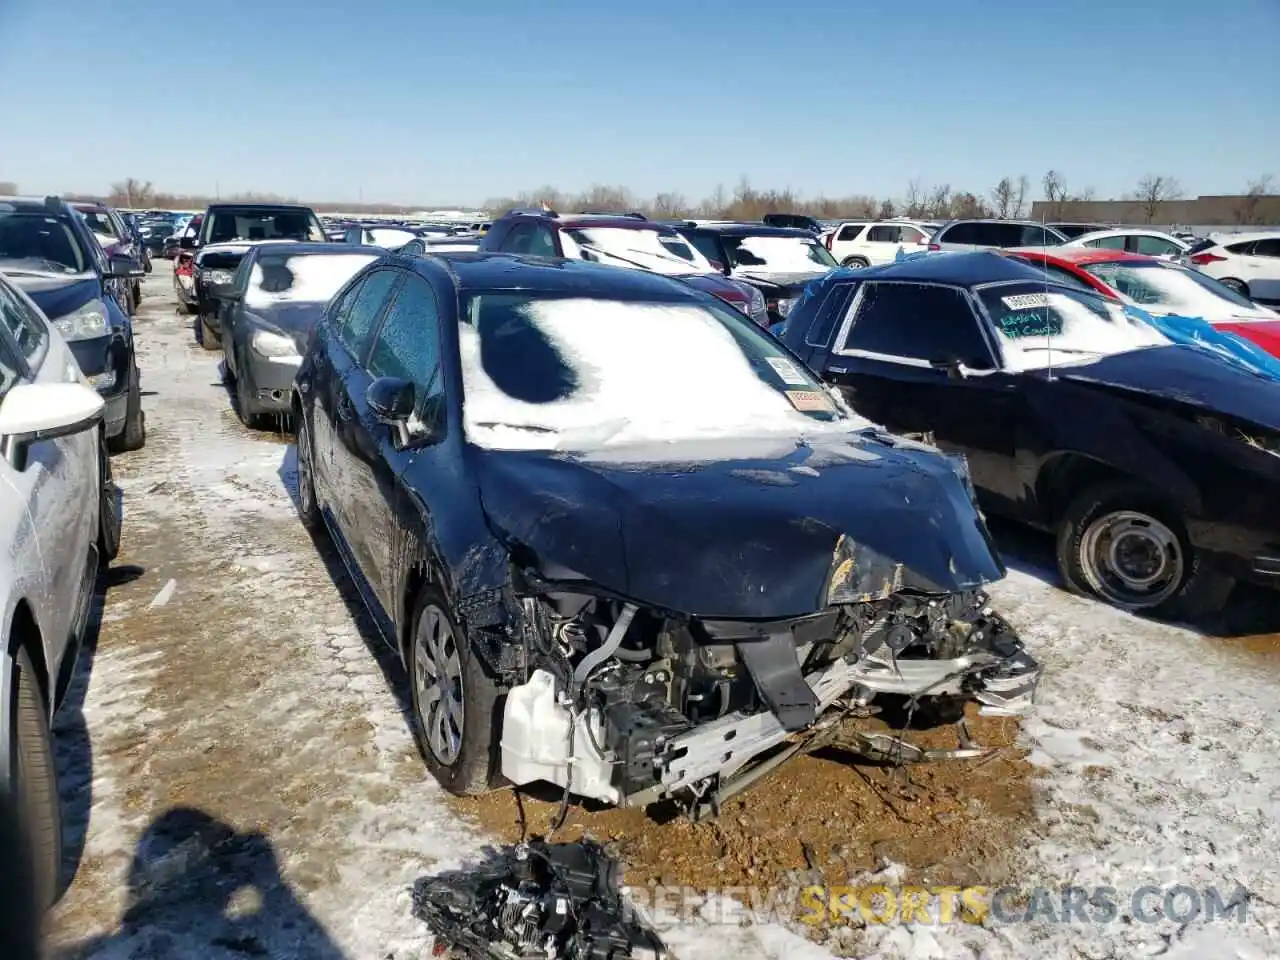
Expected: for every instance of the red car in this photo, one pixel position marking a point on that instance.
(1159, 287)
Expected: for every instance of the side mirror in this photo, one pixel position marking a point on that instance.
(954, 369)
(391, 401)
(716, 264)
(32, 412)
(223, 291)
(121, 267)
(187, 243)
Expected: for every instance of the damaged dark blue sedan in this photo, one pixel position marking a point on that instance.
(623, 541)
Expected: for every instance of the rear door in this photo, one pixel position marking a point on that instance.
(1264, 282)
(353, 326)
(406, 347)
(46, 508)
(882, 243)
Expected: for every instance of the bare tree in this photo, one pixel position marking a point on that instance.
(938, 205)
(913, 202)
(968, 206)
(1010, 196)
(1153, 190)
(669, 206)
(132, 192)
(1055, 192)
(887, 210)
(1247, 210)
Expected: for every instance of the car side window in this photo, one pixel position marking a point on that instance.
(1244, 249)
(1268, 247)
(356, 320)
(918, 322)
(1029, 235)
(519, 239)
(849, 231)
(28, 330)
(1154, 246)
(1061, 275)
(543, 242)
(240, 283)
(408, 343)
(883, 233)
(829, 312)
(9, 367)
(1107, 243)
(962, 233)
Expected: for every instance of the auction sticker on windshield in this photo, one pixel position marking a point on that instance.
(1026, 301)
(810, 401)
(787, 371)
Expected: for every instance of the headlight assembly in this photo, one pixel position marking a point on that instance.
(273, 345)
(85, 322)
(216, 277)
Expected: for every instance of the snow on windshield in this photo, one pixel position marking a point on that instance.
(1171, 288)
(309, 278)
(1044, 328)
(667, 253)
(780, 255)
(390, 237)
(583, 374)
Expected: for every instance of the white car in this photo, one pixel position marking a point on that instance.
(872, 243)
(1249, 263)
(59, 522)
(1150, 243)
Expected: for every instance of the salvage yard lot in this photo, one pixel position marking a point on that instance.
(240, 779)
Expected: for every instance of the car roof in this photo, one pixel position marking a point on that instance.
(483, 270)
(88, 205)
(1086, 255)
(578, 221)
(259, 206)
(1222, 239)
(957, 269)
(749, 230)
(31, 205)
(1122, 232)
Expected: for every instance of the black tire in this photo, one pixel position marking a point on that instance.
(206, 336)
(37, 781)
(308, 506)
(137, 294)
(109, 520)
(476, 768)
(189, 309)
(1239, 286)
(855, 263)
(134, 435)
(251, 420)
(1192, 591)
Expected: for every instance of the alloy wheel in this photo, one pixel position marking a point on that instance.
(438, 689)
(306, 484)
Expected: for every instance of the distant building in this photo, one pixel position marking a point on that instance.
(1238, 212)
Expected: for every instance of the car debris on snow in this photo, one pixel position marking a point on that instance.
(536, 901)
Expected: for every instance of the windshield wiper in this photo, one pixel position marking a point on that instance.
(1065, 350)
(591, 248)
(515, 426)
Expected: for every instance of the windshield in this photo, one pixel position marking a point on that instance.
(39, 242)
(1042, 326)
(779, 254)
(100, 223)
(266, 224)
(561, 373)
(653, 250)
(1174, 288)
(302, 278)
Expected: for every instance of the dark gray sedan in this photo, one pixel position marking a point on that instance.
(267, 313)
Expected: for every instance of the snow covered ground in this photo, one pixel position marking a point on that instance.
(239, 778)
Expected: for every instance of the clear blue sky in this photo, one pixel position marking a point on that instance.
(438, 101)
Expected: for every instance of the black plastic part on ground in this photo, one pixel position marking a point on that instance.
(536, 900)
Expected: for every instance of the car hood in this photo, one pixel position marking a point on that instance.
(791, 281)
(714, 284)
(757, 534)
(58, 294)
(293, 319)
(1189, 375)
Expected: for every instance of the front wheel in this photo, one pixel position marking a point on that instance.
(1123, 544)
(1239, 286)
(205, 334)
(855, 263)
(457, 706)
(37, 781)
(134, 435)
(308, 506)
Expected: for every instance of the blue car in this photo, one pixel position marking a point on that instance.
(48, 253)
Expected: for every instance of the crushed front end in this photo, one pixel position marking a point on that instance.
(632, 704)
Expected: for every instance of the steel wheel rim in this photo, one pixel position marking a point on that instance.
(437, 682)
(1132, 559)
(306, 492)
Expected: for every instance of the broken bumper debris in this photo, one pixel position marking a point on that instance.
(535, 901)
(633, 706)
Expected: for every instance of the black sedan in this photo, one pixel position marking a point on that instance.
(1156, 464)
(266, 315)
(598, 512)
(47, 251)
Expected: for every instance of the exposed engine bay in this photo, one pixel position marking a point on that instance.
(535, 901)
(632, 705)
